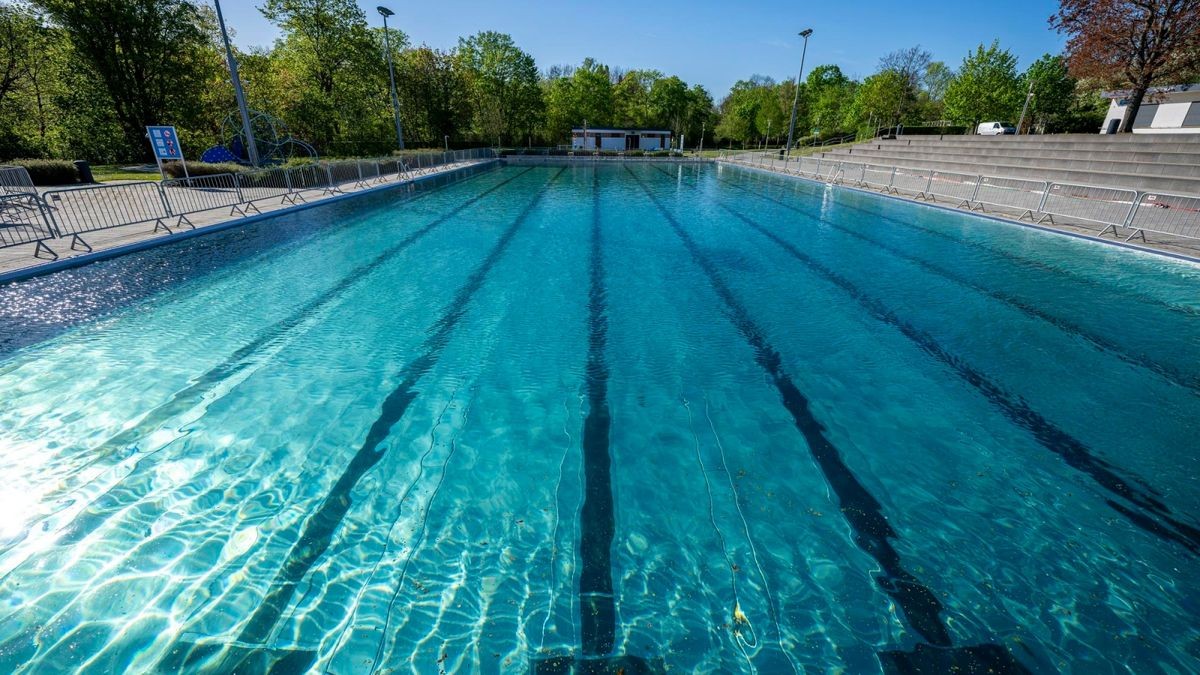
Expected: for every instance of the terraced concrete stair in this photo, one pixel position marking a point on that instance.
(1153, 163)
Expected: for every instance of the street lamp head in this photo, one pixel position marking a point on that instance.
(384, 11)
(805, 33)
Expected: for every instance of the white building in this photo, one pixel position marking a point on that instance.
(620, 139)
(1165, 110)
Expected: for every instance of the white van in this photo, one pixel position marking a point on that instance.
(995, 129)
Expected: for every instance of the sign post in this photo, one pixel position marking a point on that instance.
(165, 143)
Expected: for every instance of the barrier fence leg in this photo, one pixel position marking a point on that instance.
(43, 248)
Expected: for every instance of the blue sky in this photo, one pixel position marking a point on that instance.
(711, 43)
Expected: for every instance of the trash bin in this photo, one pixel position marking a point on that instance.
(85, 171)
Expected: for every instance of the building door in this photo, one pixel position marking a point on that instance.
(633, 142)
(1113, 125)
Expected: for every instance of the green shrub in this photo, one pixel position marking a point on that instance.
(50, 171)
(635, 153)
(659, 153)
(175, 169)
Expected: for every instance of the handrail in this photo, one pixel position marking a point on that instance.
(26, 218)
(1039, 201)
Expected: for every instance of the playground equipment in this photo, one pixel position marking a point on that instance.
(275, 144)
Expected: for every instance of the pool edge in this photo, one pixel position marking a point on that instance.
(133, 247)
(985, 216)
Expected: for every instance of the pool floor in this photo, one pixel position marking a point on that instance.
(613, 418)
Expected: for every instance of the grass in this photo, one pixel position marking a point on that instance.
(104, 173)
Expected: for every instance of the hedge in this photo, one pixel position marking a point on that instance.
(175, 169)
(50, 172)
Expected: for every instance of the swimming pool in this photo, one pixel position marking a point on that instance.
(684, 416)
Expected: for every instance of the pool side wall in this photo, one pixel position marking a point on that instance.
(88, 258)
(984, 216)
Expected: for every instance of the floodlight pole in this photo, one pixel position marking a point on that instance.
(251, 145)
(1025, 108)
(796, 99)
(387, 42)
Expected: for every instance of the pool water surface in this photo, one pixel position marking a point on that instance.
(621, 416)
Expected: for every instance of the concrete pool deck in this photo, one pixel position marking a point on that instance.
(19, 261)
(1155, 243)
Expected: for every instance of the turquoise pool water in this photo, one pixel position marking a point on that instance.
(638, 417)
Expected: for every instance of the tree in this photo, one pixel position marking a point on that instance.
(911, 64)
(631, 98)
(938, 77)
(701, 115)
(879, 99)
(504, 86)
(669, 103)
(335, 64)
(1053, 91)
(1130, 42)
(828, 93)
(151, 56)
(433, 95)
(986, 87)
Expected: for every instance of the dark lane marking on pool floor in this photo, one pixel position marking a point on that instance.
(597, 524)
(107, 503)
(863, 512)
(318, 529)
(1073, 451)
(1020, 260)
(597, 608)
(1100, 342)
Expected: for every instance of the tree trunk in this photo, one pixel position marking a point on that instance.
(1131, 110)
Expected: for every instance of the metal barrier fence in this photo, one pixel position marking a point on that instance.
(89, 209)
(202, 193)
(309, 178)
(957, 187)
(1017, 193)
(16, 180)
(1166, 214)
(1107, 206)
(912, 180)
(23, 221)
(26, 218)
(1039, 201)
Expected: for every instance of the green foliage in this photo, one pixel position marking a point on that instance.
(828, 93)
(150, 58)
(755, 107)
(175, 169)
(1053, 91)
(50, 171)
(503, 85)
(330, 67)
(986, 88)
(879, 99)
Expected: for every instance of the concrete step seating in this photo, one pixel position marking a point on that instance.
(1164, 163)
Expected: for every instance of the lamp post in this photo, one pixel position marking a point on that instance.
(1025, 108)
(796, 100)
(387, 45)
(251, 145)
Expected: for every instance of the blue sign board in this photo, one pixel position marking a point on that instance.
(165, 142)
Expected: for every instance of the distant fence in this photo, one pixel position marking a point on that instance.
(27, 218)
(1039, 201)
(16, 180)
(23, 221)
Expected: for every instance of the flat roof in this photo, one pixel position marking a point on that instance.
(1167, 89)
(626, 131)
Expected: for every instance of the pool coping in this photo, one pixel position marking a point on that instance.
(1183, 257)
(153, 242)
